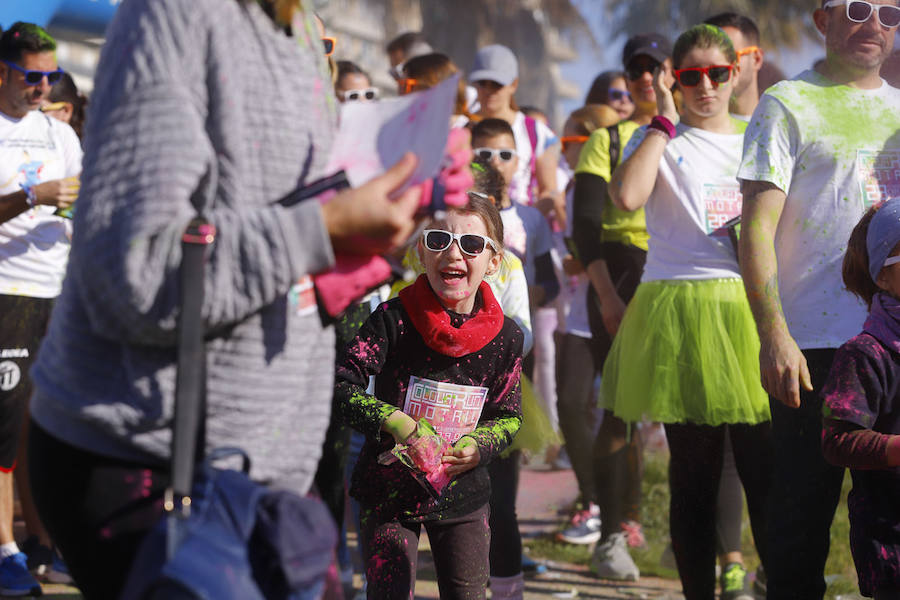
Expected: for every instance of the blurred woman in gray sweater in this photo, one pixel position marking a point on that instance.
(223, 104)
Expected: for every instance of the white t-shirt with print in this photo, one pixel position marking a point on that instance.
(834, 150)
(696, 192)
(34, 245)
(520, 188)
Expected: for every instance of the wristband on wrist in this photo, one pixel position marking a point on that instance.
(660, 133)
(661, 123)
(30, 196)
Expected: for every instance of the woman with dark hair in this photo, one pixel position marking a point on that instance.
(609, 89)
(178, 119)
(66, 103)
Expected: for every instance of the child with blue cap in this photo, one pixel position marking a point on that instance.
(862, 402)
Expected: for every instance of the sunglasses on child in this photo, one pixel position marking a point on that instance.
(691, 76)
(572, 139)
(329, 43)
(35, 77)
(617, 94)
(488, 154)
(472, 244)
(356, 95)
(859, 11)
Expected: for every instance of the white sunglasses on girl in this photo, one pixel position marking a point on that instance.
(472, 244)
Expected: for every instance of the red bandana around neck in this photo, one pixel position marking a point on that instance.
(431, 320)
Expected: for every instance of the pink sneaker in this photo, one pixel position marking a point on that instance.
(634, 534)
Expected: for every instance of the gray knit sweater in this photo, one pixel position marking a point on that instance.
(203, 101)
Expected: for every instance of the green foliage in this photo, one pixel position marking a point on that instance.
(780, 23)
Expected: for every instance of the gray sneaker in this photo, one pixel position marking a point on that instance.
(611, 560)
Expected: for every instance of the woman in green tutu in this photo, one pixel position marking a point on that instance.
(686, 353)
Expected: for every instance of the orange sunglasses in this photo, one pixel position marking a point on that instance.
(330, 43)
(406, 85)
(747, 50)
(573, 139)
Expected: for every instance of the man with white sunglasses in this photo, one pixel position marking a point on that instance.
(819, 150)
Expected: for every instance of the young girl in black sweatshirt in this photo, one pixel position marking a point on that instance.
(442, 350)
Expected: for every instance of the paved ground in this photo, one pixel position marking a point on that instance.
(542, 494)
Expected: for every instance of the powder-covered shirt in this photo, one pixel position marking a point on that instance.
(34, 245)
(389, 347)
(626, 227)
(520, 189)
(863, 388)
(695, 193)
(198, 101)
(834, 150)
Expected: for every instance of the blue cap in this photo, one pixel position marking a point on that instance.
(883, 235)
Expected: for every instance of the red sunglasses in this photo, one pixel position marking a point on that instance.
(691, 76)
(329, 43)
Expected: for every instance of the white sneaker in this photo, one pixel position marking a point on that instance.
(611, 560)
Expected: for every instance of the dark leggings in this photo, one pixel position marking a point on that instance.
(577, 406)
(459, 547)
(506, 541)
(729, 504)
(695, 468)
(96, 509)
(805, 492)
(618, 457)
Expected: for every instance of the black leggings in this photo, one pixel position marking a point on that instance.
(695, 468)
(96, 509)
(506, 541)
(459, 547)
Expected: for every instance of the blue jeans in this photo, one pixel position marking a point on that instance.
(805, 492)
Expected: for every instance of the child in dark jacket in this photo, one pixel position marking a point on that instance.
(442, 350)
(862, 403)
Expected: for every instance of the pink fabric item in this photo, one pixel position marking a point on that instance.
(351, 278)
(455, 175)
(433, 323)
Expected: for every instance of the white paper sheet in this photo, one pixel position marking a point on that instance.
(374, 135)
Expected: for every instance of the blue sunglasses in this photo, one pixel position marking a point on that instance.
(35, 77)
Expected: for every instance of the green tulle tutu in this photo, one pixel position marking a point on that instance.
(536, 432)
(686, 351)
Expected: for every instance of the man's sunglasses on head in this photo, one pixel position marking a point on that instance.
(33, 77)
(860, 11)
